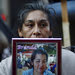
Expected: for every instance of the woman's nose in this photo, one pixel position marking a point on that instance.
(36, 31)
(41, 64)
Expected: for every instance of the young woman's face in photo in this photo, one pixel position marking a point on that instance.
(39, 63)
(36, 25)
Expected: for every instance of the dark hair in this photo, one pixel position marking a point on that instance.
(23, 13)
(38, 51)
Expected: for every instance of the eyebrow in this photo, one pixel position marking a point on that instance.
(43, 20)
(29, 21)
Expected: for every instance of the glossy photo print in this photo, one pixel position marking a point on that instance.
(36, 56)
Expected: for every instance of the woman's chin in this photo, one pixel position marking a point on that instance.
(40, 71)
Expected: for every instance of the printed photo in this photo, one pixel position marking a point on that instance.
(37, 57)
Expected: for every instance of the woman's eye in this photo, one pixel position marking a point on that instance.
(37, 61)
(43, 25)
(30, 25)
(44, 61)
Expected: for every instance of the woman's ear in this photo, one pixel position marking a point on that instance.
(20, 32)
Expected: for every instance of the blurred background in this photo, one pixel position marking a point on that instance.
(65, 16)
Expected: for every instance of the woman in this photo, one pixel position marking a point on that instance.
(39, 60)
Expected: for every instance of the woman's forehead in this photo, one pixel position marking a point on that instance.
(40, 56)
(36, 15)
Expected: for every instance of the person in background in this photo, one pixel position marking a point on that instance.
(35, 21)
(39, 60)
(54, 68)
(4, 50)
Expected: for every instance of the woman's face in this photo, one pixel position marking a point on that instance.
(36, 25)
(39, 63)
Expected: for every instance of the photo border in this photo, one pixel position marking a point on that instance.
(47, 40)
